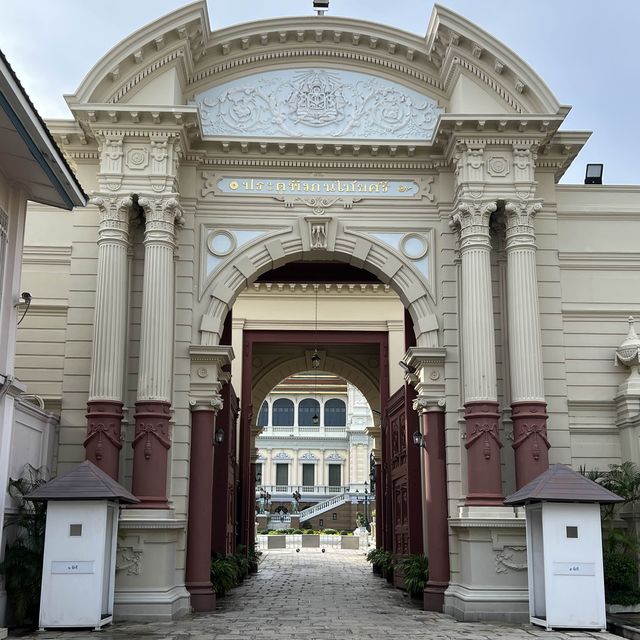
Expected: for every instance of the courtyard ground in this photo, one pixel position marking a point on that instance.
(317, 596)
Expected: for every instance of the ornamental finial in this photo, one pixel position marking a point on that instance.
(628, 353)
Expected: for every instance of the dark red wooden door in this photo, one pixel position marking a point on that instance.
(404, 466)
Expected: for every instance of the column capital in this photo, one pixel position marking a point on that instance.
(471, 217)
(115, 215)
(519, 222)
(162, 215)
(213, 403)
(425, 404)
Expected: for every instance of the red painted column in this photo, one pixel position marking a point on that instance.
(530, 443)
(483, 453)
(151, 445)
(379, 508)
(102, 444)
(220, 492)
(432, 426)
(198, 571)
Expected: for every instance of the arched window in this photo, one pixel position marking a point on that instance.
(335, 413)
(283, 413)
(263, 416)
(306, 410)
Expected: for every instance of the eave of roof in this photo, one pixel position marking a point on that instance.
(37, 138)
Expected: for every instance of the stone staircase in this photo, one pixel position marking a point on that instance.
(325, 505)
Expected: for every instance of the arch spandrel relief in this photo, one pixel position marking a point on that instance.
(317, 103)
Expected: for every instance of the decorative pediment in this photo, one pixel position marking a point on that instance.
(334, 457)
(317, 103)
(308, 457)
(281, 455)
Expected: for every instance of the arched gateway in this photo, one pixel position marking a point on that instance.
(216, 158)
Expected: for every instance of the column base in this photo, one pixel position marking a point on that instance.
(102, 444)
(530, 443)
(433, 596)
(203, 597)
(487, 605)
(483, 453)
(491, 580)
(149, 578)
(151, 444)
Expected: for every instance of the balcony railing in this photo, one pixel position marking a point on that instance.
(289, 489)
(315, 490)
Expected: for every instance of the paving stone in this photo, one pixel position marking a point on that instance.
(331, 596)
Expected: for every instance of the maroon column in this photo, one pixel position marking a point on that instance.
(432, 423)
(198, 573)
(530, 442)
(379, 507)
(102, 444)
(150, 451)
(483, 453)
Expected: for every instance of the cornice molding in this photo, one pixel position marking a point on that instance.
(594, 261)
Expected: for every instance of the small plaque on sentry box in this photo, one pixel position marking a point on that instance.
(73, 566)
(574, 569)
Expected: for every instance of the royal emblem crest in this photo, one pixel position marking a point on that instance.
(317, 99)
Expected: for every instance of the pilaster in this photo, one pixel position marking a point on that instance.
(428, 381)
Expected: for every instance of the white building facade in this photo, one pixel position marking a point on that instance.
(324, 183)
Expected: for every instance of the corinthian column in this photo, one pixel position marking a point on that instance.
(151, 441)
(104, 408)
(479, 355)
(525, 351)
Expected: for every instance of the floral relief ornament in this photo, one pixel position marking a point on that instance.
(317, 102)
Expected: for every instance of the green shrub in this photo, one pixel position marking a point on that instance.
(344, 532)
(309, 532)
(330, 532)
(253, 556)
(22, 565)
(307, 524)
(415, 570)
(298, 531)
(224, 574)
(381, 560)
(241, 562)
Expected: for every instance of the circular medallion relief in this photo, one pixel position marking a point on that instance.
(221, 243)
(414, 246)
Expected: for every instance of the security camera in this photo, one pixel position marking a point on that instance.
(26, 296)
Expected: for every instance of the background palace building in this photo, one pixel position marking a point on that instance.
(314, 200)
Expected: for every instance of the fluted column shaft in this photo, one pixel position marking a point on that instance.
(525, 350)
(478, 352)
(104, 407)
(152, 440)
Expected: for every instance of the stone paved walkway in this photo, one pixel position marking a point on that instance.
(315, 596)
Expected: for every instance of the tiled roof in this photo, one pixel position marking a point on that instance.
(561, 483)
(84, 482)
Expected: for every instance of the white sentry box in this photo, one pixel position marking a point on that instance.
(566, 577)
(79, 564)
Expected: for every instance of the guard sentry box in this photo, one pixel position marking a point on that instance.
(78, 571)
(564, 549)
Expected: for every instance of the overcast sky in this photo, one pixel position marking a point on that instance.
(585, 50)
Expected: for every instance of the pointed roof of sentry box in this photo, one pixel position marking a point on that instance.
(83, 482)
(561, 483)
